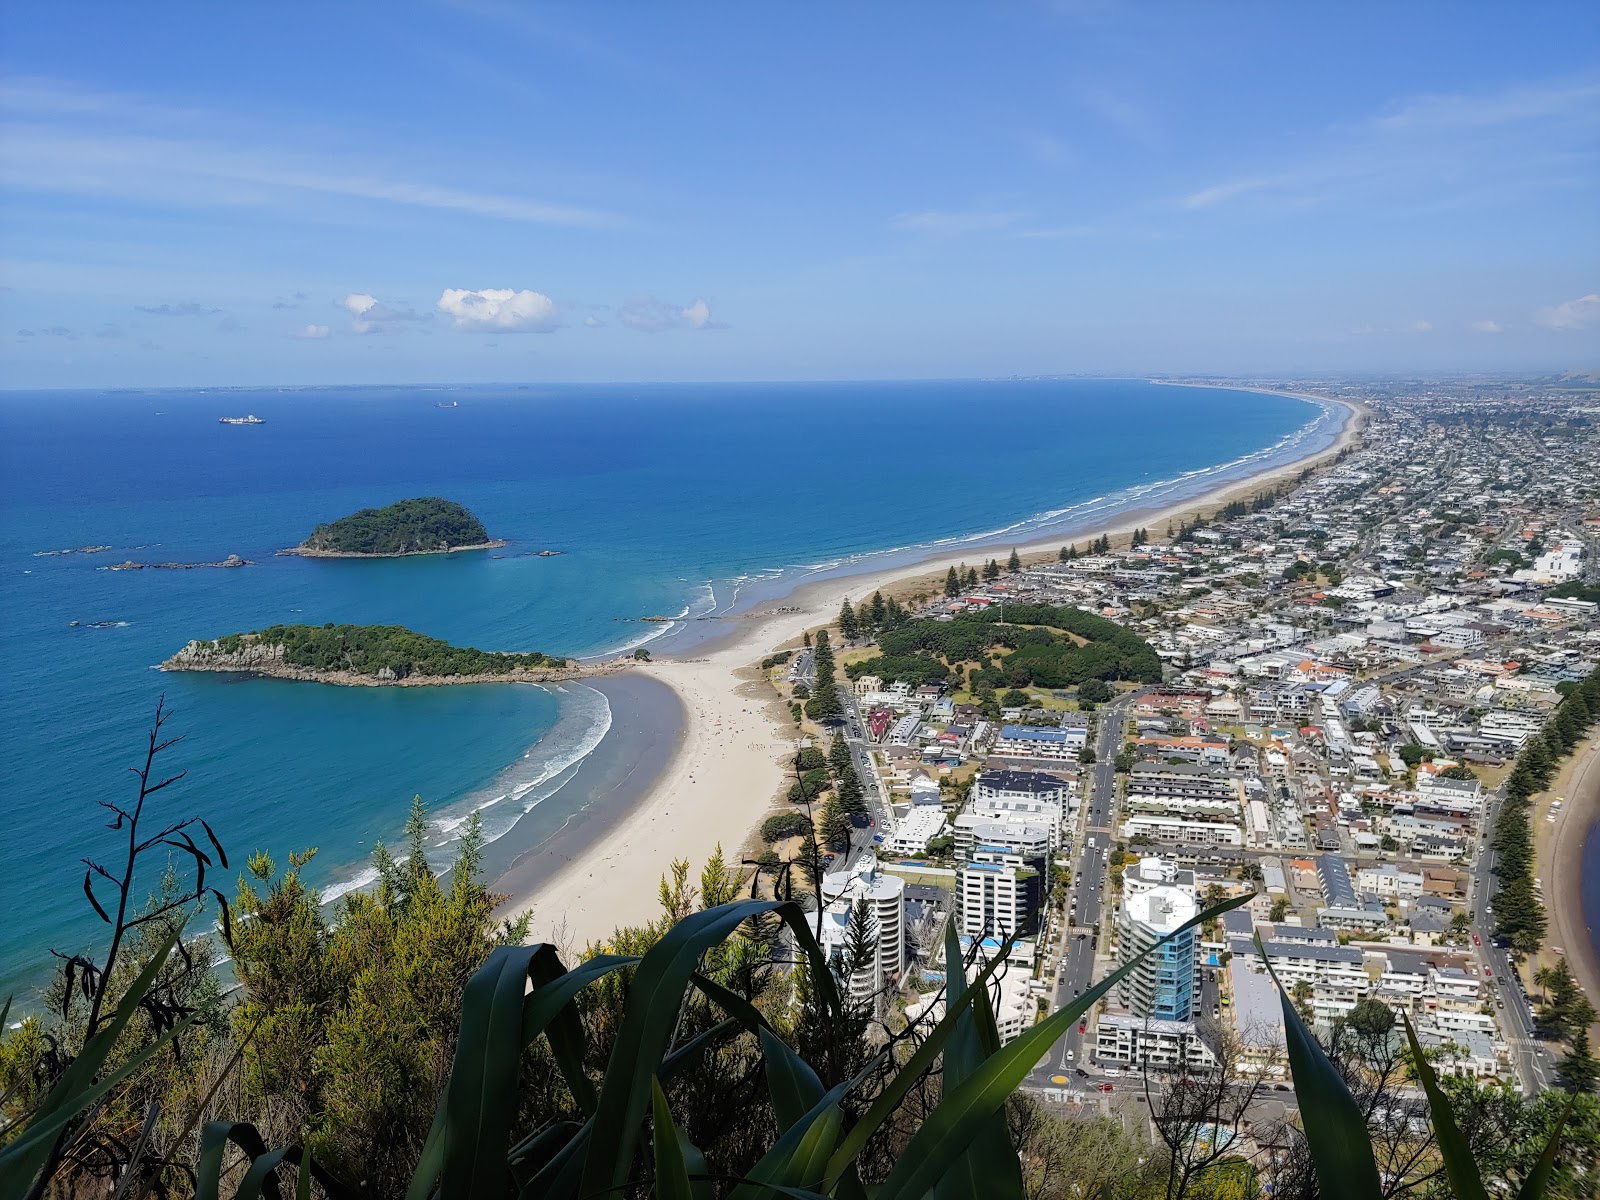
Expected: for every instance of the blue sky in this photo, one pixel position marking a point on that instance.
(455, 192)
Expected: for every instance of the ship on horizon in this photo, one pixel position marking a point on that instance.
(251, 419)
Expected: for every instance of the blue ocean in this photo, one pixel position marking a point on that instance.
(682, 501)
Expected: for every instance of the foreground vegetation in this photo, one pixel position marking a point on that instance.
(404, 1042)
(426, 525)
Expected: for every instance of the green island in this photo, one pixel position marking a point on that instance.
(364, 654)
(424, 525)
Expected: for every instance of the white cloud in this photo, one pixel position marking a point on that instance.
(370, 315)
(649, 315)
(310, 333)
(593, 322)
(499, 309)
(1582, 313)
(1487, 326)
(939, 223)
(1422, 327)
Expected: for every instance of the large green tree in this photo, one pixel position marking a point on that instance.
(348, 1017)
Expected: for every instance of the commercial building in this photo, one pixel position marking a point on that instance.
(1135, 1041)
(1044, 743)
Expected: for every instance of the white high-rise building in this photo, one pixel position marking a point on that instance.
(885, 897)
(999, 893)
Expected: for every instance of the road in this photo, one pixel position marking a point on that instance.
(853, 729)
(1086, 896)
(1529, 1056)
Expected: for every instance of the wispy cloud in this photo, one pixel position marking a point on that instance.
(370, 315)
(1060, 233)
(187, 308)
(1456, 147)
(310, 333)
(64, 140)
(1124, 114)
(1582, 313)
(940, 223)
(650, 315)
(1487, 326)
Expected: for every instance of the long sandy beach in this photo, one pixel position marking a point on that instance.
(735, 742)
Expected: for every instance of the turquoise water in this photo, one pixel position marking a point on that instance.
(663, 500)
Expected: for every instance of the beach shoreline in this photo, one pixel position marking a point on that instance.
(731, 759)
(1559, 857)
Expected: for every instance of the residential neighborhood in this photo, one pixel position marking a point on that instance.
(1350, 663)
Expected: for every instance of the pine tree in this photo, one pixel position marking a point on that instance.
(972, 577)
(822, 655)
(851, 794)
(1014, 563)
(839, 756)
(848, 629)
(878, 611)
(991, 570)
(835, 824)
(824, 704)
(860, 948)
(952, 583)
(1064, 554)
(1578, 1070)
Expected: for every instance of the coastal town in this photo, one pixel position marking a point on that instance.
(1358, 666)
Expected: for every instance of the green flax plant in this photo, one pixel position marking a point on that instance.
(629, 1142)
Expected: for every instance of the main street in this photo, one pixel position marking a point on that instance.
(1086, 894)
(1513, 1011)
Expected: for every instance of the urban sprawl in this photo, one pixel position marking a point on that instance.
(1357, 674)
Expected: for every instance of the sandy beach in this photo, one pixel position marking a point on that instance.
(1558, 861)
(735, 742)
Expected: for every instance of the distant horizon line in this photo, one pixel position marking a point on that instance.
(1294, 378)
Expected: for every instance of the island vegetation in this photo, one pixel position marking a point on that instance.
(355, 653)
(425, 525)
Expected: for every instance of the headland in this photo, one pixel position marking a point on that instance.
(373, 656)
